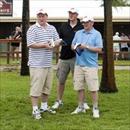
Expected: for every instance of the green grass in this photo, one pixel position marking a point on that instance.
(118, 62)
(3, 61)
(15, 106)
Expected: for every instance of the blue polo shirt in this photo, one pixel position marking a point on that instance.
(92, 38)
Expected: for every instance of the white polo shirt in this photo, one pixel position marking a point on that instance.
(40, 57)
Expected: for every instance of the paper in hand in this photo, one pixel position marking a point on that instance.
(63, 43)
(52, 44)
(77, 45)
(78, 50)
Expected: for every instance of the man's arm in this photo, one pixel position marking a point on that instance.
(93, 49)
(40, 45)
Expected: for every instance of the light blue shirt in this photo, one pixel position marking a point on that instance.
(92, 38)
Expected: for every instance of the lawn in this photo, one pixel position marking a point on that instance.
(15, 106)
(3, 61)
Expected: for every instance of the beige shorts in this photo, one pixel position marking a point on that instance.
(64, 67)
(41, 81)
(87, 75)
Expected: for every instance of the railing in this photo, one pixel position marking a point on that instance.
(120, 53)
(9, 41)
(9, 52)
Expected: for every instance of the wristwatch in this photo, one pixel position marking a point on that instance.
(87, 46)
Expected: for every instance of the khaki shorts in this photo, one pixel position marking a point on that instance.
(87, 75)
(64, 67)
(41, 81)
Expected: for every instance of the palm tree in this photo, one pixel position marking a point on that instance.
(25, 26)
(108, 79)
(108, 83)
(116, 3)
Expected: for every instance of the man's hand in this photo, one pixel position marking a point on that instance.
(63, 43)
(72, 47)
(48, 46)
(51, 43)
(56, 43)
(83, 46)
(76, 46)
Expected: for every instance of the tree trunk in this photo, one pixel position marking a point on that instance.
(108, 79)
(25, 26)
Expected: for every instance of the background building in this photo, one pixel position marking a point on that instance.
(57, 11)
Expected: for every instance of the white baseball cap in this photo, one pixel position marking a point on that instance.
(73, 10)
(117, 33)
(87, 19)
(41, 11)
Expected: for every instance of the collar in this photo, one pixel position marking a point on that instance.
(88, 32)
(38, 25)
(78, 21)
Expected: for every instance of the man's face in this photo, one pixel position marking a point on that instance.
(72, 16)
(42, 18)
(88, 25)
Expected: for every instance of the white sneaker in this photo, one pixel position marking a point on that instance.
(95, 113)
(57, 104)
(43, 109)
(78, 110)
(86, 107)
(36, 114)
(47, 109)
(51, 111)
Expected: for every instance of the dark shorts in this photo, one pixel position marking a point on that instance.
(124, 49)
(64, 67)
(15, 44)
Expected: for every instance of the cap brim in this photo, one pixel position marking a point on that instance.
(42, 13)
(87, 21)
(73, 12)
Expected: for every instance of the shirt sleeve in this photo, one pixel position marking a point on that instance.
(55, 34)
(30, 37)
(99, 42)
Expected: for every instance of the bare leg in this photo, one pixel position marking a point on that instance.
(44, 97)
(60, 91)
(94, 95)
(13, 52)
(35, 111)
(81, 96)
(34, 101)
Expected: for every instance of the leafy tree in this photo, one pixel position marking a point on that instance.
(116, 3)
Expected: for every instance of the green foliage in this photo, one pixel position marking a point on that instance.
(120, 3)
(15, 110)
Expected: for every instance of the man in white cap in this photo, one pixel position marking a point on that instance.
(67, 55)
(39, 36)
(89, 40)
